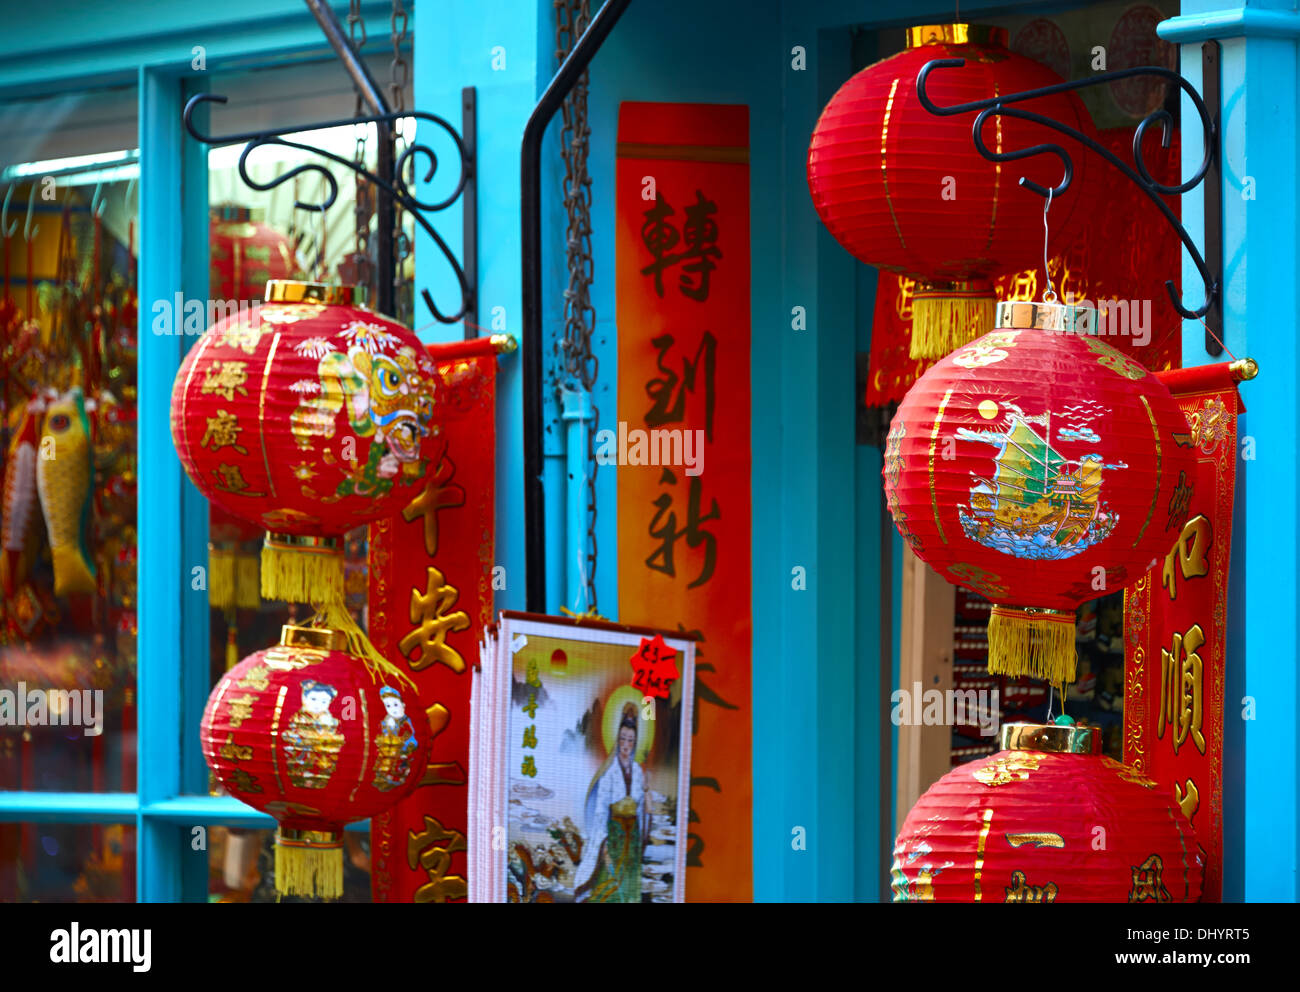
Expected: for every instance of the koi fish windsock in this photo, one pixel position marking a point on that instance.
(63, 472)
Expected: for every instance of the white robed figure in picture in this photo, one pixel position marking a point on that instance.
(617, 823)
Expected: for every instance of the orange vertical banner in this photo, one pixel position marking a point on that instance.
(684, 512)
(430, 598)
(1174, 623)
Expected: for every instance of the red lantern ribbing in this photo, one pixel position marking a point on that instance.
(907, 191)
(1047, 819)
(1040, 468)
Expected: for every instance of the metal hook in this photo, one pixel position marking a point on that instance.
(6, 228)
(30, 230)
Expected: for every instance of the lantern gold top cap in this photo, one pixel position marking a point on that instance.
(294, 291)
(956, 34)
(314, 638)
(1064, 318)
(1050, 738)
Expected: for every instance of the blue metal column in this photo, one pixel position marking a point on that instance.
(577, 416)
(1261, 264)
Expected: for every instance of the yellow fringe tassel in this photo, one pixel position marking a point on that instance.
(1036, 643)
(221, 577)
(339, 617)
(248, 581)
(943, 320)
(309, 871)
(232, 647)
(302, 575)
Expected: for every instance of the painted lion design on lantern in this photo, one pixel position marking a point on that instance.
(388, 400)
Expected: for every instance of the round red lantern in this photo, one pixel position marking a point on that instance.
(907, 191)
(310, 415)
(317, 738)
(244, 255)
(1046, 819)
(1040, 468)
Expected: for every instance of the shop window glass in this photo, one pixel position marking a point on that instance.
(68, 316)
(67, 862)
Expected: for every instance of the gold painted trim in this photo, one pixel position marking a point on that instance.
(307, 543)
(884, 168)
(1067, 318)
(320, 839)
(730, 154)
(1160, 459)
(275, 737)
(313, 638)
(295, 291)
(185, 394)
(261, 412)
(979, 851)
(365, 746)
(216, 708)
(934, 443)
(956, 34)
(1050, 738)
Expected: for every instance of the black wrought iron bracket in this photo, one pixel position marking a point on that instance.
(1208, 108)
(397, 185)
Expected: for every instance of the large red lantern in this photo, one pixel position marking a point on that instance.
(317, 738)
(1040, 468)
(311, 416)
(244, 255)
(1046, 819)
(907, 191)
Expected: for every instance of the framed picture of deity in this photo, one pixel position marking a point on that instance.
(580, 762)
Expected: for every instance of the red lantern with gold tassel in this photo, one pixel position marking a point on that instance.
(311, 416)
(1040, 468)
(1047, 819)
(317, 737)
(234, 582)
(907, 191)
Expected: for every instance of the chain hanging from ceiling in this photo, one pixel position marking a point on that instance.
(578, 359)
(400, 74)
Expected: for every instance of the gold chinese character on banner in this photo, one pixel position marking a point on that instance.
(1191, 553)
(1147, 886)
(431, 849)
(428, 611)
(437, 495)
(1181, 674)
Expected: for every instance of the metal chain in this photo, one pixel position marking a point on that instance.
(401, 71)
(357, 32)
(579, 360)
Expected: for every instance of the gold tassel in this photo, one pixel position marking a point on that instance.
(221, 576)
(339, 617)
(248, 581)
(232, 643)
(308, 863)
(947, 316)
(302, 570)
(1032, 641)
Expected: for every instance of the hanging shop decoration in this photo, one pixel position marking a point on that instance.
(904, 190)
(431, 576)
(1040, 468)
(1175, 617)
(1046, 819)
(317, 737)
(245, 255)
(684, 512)
(311, 416)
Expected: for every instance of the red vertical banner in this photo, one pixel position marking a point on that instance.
(684, 511)
(1174, 624)
(430, 598)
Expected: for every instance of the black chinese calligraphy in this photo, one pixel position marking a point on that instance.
(698, 237)
(664, 528)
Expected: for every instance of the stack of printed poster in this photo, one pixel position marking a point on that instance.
(579, 777)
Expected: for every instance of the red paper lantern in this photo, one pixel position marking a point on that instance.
(1039, 469)
(317, 738)
(244, 255)
(311, 416)
(1047, 819)
(907, 191)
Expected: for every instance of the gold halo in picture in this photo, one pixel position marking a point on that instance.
(645, 730)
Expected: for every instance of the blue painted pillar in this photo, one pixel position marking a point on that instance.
(1260, 151)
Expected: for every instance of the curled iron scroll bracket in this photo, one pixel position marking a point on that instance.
(999, 106)
(397, 186)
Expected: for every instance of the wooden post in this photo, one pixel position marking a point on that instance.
(926, 646)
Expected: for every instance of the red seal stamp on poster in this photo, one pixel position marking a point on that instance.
(654, 667)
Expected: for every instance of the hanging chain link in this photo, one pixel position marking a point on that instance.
(401, 71)
(357, 33)
(580, 364)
